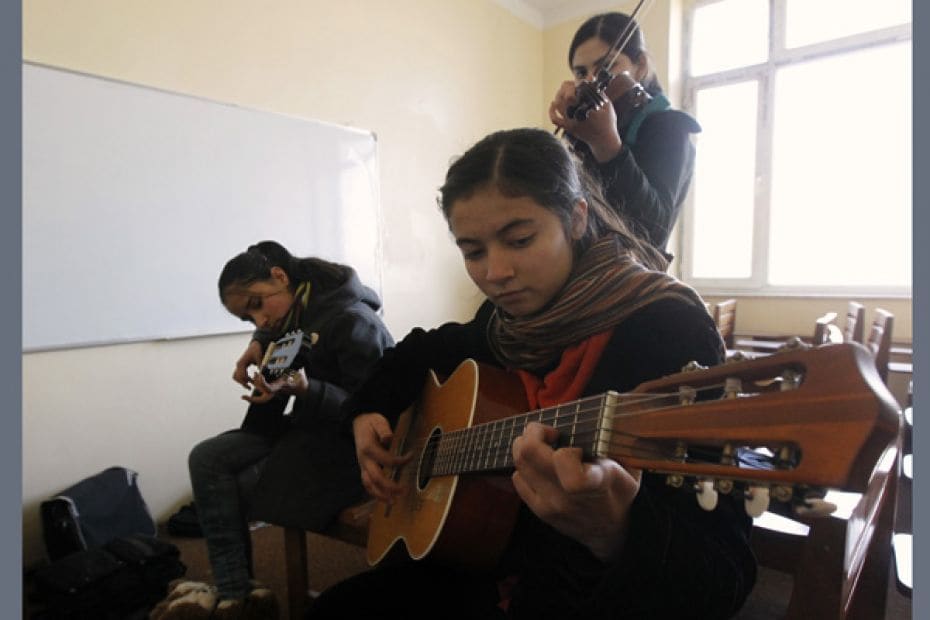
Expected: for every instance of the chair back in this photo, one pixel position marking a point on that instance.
(725, 318)
(854, 330)
(879, 340)
(822, 332)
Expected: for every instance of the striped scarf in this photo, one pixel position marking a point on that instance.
(606, 286)
(301, 299)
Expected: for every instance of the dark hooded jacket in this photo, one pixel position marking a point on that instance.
(311, 440)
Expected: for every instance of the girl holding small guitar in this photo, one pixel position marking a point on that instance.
(579, 306)
(297, 469)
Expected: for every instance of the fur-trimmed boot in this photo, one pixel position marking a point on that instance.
(260, 604)
(186, 600)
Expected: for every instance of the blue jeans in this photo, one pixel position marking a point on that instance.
(224, 471)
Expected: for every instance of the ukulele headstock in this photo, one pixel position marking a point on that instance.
(285, 354)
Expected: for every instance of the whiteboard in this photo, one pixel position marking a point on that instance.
(134, 199)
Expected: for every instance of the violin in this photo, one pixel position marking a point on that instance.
(625, 93)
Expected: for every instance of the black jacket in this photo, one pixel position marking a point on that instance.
(648, 180)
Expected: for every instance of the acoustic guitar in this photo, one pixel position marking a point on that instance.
(787, 426)
(284, 355)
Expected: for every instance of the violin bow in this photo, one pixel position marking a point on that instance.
(622, 39)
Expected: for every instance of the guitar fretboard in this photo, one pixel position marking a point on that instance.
(583, 423)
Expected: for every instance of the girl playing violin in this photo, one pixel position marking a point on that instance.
(577, 307)
(643, 158)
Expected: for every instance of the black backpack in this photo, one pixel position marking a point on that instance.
(125, 578)
(94, 511)
(106, 563)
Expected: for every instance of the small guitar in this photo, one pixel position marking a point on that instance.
(787, 424)
(282, 356)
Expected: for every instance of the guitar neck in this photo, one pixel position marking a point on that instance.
(487, 447)
(820, 417)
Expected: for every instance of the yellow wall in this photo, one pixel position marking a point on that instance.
(429, 78)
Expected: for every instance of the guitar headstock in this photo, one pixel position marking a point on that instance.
(789, 423)
(286, 353)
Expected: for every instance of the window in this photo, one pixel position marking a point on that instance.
(802, 181)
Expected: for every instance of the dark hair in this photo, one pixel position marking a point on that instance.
(255, 265)
(536, 164)
(607, 27)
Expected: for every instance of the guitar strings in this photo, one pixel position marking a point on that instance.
(643, 449)
(467, 446)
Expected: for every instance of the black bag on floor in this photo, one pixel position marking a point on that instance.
(125, 578)
(155, 561)
(185, 522)
(94, 511)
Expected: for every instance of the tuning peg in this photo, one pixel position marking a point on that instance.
(314, 337)
(692, 366)
(794, 344)
(757, 501)
(686, 395)
(790, 380)
(732, 386)
(706, 494)
(736, 356)
(782, 493)
(786, 457)
(681, 455)
(815, 507)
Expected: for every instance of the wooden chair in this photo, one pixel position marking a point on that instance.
(351, 527)
(903, 537)
(724, 314)
(840, 563)
(824, 331)
(854, 329)
(844, 568)
(879, 343)
(879, 340)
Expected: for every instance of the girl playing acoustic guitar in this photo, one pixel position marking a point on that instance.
(297, 469)
(578, 307)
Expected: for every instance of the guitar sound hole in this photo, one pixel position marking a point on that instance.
(428, 459)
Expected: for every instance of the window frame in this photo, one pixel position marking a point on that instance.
(764, 74)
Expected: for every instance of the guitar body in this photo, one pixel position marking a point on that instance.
(464, 519)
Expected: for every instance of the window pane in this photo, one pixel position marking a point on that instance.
(841, 184)
(813, 21)
(717, 44)
(724, 181)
